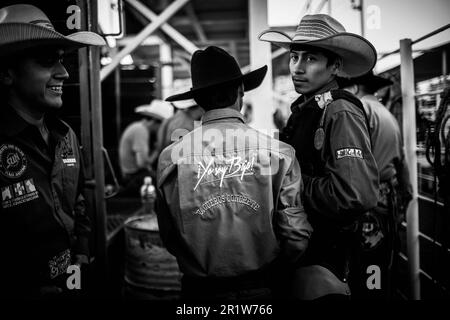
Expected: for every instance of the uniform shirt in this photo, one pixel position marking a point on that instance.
(340, 177)
(43, 211)
(183, 121)
(229, 198)
(386, 137)
(135, 139)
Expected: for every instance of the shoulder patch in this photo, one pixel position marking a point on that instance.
(349, 153)
(13, 162)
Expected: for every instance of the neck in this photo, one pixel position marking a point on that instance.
(328, 86)
(32, 116)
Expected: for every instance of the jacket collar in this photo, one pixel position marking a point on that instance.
(302, 100)
(222, 113)
(11, 123)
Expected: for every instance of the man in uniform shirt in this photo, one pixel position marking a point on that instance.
(138, 146)
(183, 121)
(44, 226)
(378, 228)
(229, 195)
(329, 132)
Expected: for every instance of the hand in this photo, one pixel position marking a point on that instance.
(81, 259)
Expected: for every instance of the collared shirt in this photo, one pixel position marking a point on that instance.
(182, 122)
(229, 198)
(387, 143)
(42, 210)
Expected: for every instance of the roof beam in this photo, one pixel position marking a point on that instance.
(275, 54)
(195, 22)
(165, 27)
(149, 29)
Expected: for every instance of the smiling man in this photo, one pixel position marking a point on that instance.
(329, 133)
(44, 226)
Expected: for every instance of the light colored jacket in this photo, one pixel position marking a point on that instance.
(229, 198)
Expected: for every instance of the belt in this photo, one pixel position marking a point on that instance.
(251, 280)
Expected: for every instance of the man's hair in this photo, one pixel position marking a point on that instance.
(220, 96)
(332, 57)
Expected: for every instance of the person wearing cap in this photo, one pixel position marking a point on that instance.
(377, 229)
(45, 226)
(228, 195)
(138, 152)
(329, 132)
(183, 121)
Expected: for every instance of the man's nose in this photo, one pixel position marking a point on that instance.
(61, 72)
(299, 67)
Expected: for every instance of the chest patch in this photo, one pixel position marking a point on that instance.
(13, 162)
(18, 193)
(349, 153)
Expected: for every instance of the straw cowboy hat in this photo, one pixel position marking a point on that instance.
(214, 67)
(184, 104)
(23, 26)
(322, 31)
(371, 81)
(157, 109)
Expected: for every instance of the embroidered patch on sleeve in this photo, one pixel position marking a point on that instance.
(349, 153)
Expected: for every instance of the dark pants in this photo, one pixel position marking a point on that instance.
(132, 183)
(251, 286)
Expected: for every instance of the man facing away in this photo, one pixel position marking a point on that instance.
(378, 228)
(329, 133)
(44, 225)
(229, 196)
(138, 151)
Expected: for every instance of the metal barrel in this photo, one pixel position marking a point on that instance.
(150, 270)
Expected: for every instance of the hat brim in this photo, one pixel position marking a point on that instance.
(374, 82)
(358, 55)
(20, 36)
(250, 80)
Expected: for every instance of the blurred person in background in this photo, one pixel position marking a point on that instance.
(182, 122)
(45, 226)
(138, 152)
(377, 230)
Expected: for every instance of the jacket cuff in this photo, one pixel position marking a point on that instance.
(81, 246)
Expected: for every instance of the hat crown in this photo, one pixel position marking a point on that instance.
(317, 26)
(213, 66)
(25, 13)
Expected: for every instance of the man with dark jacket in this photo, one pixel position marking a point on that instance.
(229, 195)
(44, 225)
(329, 132)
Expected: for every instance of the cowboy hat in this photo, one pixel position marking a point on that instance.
(184, 104)
(215, 67)
(322, 31)
(23, 26)
(371, 81)
(157, 109)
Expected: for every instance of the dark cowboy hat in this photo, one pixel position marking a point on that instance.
(322, 31)
(371, 81)
(214, 67)
(24, 26)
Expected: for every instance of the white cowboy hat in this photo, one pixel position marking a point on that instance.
(157, 109)
(23, 26)
(184, 104)
(322, 31)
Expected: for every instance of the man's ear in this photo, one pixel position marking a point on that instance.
(337, 66)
